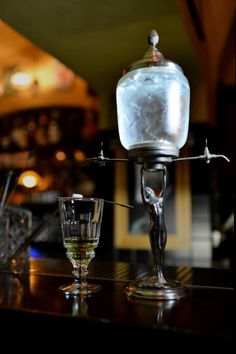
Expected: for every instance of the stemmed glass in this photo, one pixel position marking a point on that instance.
(81, 224)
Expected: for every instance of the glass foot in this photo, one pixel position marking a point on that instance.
(80, 290)
(149, 288)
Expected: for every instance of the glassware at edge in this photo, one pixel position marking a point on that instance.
(4, 229)
(19, 227)
(81, 225)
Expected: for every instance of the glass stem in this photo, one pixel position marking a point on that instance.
(80, 272)
(157, 229)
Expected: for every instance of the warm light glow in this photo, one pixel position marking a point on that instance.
(21, 80)
(60, 155)
(79, 155)
(52, 74)
(29, 179)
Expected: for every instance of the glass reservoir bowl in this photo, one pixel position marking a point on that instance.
(153, 108)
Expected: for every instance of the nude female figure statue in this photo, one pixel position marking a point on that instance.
(157, 228)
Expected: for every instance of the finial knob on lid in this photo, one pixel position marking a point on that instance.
(153, 38)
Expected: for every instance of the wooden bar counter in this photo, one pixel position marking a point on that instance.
(30, 300)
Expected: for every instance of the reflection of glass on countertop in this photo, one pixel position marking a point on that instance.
(79, 306)
(11, 290)
(162, 310)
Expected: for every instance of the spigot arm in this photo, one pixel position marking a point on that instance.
(101, 159)
(207, 156)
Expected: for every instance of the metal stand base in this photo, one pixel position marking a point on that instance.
(149, 288)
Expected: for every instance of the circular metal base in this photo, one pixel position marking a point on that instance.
(149, 288)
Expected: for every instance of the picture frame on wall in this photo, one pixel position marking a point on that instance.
(131, 225)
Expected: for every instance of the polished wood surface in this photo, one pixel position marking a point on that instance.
(32, 297)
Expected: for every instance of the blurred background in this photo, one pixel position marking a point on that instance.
(60, 62)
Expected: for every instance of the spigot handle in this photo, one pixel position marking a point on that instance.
(101, 159)
(207, 156)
